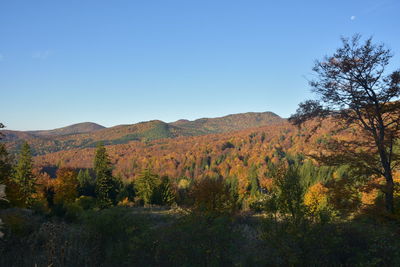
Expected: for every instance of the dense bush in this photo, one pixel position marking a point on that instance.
(340, 244)
(145, 237)
(198, 240)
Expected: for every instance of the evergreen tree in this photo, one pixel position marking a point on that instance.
(127, 192)
(6, 174)
(254, 184)
(233, 185)
(146, 185)
(23, 176)
(107, 187)
(87, 184)
(5, 165)
(5, 170)
(164, 194)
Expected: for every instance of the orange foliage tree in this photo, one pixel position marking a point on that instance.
(66, 186)
(212, 195)
(356, 92)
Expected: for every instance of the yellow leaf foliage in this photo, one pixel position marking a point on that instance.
(316, 197)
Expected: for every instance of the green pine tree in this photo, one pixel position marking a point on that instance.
(233, 184)
(254, 184)
(5, 165)
(23, 176)
(164, 194)
(146, 185)
(107, 187)
(87, 184)
(6, 170)
(127, 191)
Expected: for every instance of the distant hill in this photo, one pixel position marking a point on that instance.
(236, 155)
(230, 123)
(84, 127)
(86, 135)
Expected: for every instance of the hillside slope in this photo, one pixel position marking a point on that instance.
(233, 154)
(228, 123)
(43, 142)
(84, 127)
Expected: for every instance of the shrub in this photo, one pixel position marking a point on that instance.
(86, 202)
(259, 203)
(119, 237)
(72, 211)
(198, 241)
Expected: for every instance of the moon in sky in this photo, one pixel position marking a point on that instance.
(352, 17)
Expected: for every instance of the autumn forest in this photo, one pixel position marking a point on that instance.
(320, 188)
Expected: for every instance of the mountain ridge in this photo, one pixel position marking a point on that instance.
(82, 127)
(88, 134)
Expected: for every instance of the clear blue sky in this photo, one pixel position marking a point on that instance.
(121, 62)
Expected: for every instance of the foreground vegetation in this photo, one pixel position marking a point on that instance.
(131, 236)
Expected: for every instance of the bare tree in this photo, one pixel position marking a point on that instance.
(355, 90)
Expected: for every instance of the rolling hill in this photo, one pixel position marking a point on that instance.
(84, 127)
(228, 154)
(86, 135)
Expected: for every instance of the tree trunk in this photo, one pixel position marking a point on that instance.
(389, 194)
(389, 188)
